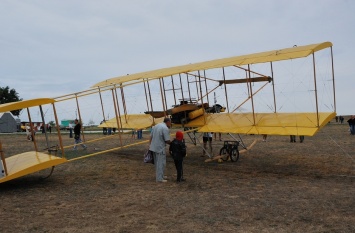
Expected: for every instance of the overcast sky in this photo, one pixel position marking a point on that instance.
(51, 48)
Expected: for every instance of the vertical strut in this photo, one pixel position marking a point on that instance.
(146, 97)
(331, 52)
(172, 83)
(32, 132)
(58, 130)
(273, 86)
(123, 103)
(251, 94)
(182, 91)
(102, 105)
(225, 89)
(204, 74)
(116, 113)
(315, 87)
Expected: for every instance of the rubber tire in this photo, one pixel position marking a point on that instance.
(234, 155)
(223, 153)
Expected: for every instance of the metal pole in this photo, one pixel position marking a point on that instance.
(123, 102)
(166, 104)
(102, 105)
(225, 89)
(197, 87)
(251, 94)
(162, 97)
(3, 159)
(116, 113)
(204, 74)
(315, 87)
(150, 99)
(31, 128)
(119, 111)
(182, 91)
(331, 52)
(188, 85)
(203, 107)
(273, 86)
(58, 131)
(44, 126)
(172, 83)
(146, 97)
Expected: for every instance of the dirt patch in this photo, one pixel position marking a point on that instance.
(277, 186)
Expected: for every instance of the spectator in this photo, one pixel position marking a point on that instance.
(77, 135)
(207, 137)
(219, 136)
(177, 150)
(264, 137)
(139, 134)
(351, 122)
(158, 138)
(292, 138)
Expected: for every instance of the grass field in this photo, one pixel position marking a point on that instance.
(276, 186)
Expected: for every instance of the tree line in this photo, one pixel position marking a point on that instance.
(9, 95)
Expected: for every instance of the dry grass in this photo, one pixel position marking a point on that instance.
(277, 186)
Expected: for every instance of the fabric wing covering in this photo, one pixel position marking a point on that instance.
(270, 56)
(132, 121)
(265, 123)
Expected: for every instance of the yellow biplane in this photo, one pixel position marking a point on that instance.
(246, 84)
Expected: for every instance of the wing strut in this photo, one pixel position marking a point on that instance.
(240, 140)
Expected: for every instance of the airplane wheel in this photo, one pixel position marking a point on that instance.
(234, 155)
(224, 154)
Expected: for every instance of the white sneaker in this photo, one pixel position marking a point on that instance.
(165, 177)
(162, 181)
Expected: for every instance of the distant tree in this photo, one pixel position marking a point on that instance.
(91, 122)
(8, 95)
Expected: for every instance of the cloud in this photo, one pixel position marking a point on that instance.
(72, 45)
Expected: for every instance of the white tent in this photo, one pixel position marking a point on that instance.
(8, 123)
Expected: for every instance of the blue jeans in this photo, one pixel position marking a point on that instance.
(352, 129)
(77, 141)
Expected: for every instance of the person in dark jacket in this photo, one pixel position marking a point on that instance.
(77, 137)
(351, 122)
(177, 150)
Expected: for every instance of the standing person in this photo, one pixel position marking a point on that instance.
(133, 134)
(341, 118)
(219, 136)
(158, 138)
(351, 122)
(77, 137)
(264, 137)
(292, 138)
(177, 150)
(301, 138)
(70, 130)
(28, 132)
(139, 134)
(207, 137)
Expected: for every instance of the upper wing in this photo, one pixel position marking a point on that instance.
(270, 56)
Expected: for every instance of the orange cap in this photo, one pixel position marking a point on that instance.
(179, 135)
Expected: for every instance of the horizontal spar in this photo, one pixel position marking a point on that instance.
(244, 80)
